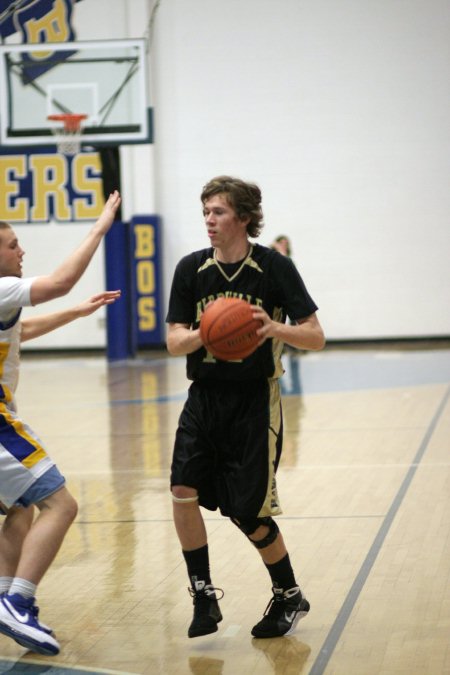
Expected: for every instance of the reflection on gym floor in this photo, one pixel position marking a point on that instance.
(364, 482)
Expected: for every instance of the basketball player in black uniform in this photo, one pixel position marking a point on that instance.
(229, 437)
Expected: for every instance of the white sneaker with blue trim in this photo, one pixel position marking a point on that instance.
(18, 620)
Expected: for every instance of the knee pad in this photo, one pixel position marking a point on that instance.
(250, 525)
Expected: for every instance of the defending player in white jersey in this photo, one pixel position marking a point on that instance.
(27, 474)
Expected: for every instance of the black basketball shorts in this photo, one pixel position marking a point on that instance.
(228, 446)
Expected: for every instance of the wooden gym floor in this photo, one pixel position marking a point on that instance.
(365, 487)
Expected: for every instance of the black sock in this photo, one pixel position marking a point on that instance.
(197, 562)
(282, 574)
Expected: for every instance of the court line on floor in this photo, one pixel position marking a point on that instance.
(223, 519)
(29, 667)
(344, 613)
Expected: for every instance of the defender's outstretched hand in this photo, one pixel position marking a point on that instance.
(108, 214)
(91, 305)
(36, 326)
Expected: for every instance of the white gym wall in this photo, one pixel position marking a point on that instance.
(338, 110)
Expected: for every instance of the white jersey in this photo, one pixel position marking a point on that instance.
(14, 294)
(23, 459)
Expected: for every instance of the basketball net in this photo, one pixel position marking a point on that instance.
(67, 136)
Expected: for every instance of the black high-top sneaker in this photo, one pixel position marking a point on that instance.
(282, 614)
(206, 609)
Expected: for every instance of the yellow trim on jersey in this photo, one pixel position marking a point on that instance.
(4, 351)
(271, 506)
(34, 458)
(252, 263)
(240, 268)
(206, 264)
(277, 346)
(35, 455)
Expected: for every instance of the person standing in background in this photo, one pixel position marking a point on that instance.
(282, 245)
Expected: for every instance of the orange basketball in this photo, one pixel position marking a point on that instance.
(228, 329)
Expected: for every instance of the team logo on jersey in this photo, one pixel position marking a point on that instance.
(227, 294)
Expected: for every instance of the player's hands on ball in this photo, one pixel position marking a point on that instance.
(228, 329)
(267, 329)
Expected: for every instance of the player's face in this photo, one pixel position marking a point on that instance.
(223, 225)
(11, 254)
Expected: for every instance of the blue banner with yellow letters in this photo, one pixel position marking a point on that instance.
(38, 185)
(37, 20)
(146, 275)
(134, 264)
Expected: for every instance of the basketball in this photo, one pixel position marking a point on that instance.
(228, 329)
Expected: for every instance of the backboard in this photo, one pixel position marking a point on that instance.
(106, 80)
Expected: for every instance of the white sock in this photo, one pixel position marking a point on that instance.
(25, 588)
(5, 583)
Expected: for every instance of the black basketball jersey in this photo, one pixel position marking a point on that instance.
(265, 278)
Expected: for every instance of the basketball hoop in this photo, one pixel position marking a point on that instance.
(67, 136)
